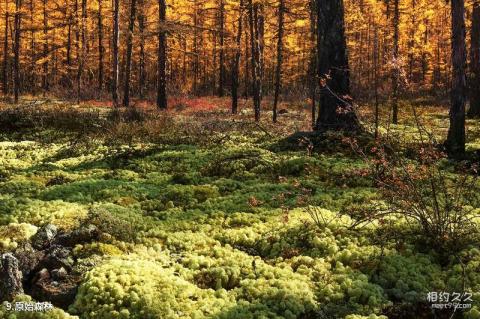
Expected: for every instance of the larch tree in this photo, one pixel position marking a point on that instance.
(115, 44)
(236, 63)
(396, 61)
(101, 49)
(336, 111)
(5, 51)
(278, 70)
(128, 58)
(162, 56)
(16, 50)
(474, 110)
(456, 134)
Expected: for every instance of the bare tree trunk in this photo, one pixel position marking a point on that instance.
(69, 42)
(278, 71)
(312, 76)
(128, 59)
(396, 66)
(474, 110)
(116, 37)
(141, 28)
(101, 50)
(336, 112)
(45, 49)
(236, 67)
(162, 56)
(222, 50)
(195, 48)
(254, 43)
(456, 134)
(5, 52)
(16, 51)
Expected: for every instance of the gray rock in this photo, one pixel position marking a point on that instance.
(10, 278)
(28, 259)
(57, 257)
(44, 236)
(81, 235)
(59, 274)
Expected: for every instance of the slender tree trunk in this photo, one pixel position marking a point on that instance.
(128, 59)
(16, 51)
(222, 50)
(69, 42)
(336, 111)
(236, 67)
(45, 49)
(101, 49)
(396, 66)
(32, 50)
(116, 38)
(474, 110)
(375, 65)
(246, 92)
(141, 28)
(456, 133)
(5, 52)
(254, 43)
(195, 49)
(278, 71)
(312, 76)
(162, 55)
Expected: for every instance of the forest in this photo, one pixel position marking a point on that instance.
(240, 159)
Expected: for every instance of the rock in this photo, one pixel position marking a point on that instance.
(59, 293)
(10, 278)
(57, 257)
(80, 235)
(59, 274)
(28, 259)
(44, 236)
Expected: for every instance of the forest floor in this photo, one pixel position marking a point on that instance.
(201, 214)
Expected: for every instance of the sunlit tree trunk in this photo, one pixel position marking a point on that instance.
(312, 67)
(254, 44)
(456, 133)
(162, 56)
(45, 49)
(141, 28)
(278, 71)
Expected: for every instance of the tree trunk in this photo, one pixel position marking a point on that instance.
(396, 66)
(16, 51)
(162, 55)
(336, 111)
(141, 28)
(312, 76)
(116, 37)
(278, 71)
(236, 67)
(128, 59)
(254, 43)
(474, 110)
(222, 51)
(45, 49)
(5, 52)
(101, 49)
(456, 133)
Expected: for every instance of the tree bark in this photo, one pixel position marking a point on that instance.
(115, 71)
(278, 71)
(5, 52)
(396, 66)
(222, 50)
(254, 44)
(101, 50)
(456, 133)
(16, 50)
(45, 49)
(336, 111)
(312, 76)
(128, 59)
(236, 66)
(141, 28)
(162, 56)
(474, 110)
